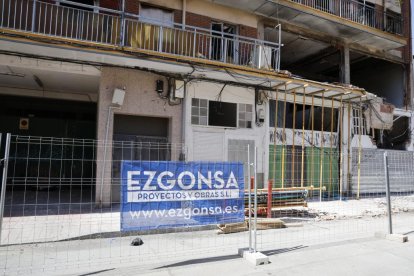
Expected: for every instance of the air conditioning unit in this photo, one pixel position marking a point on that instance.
(263, 57)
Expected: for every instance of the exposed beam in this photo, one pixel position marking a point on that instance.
(317, 92)
(336, 95)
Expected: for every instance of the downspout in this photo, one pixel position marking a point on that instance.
(184, 13)
(183, 156)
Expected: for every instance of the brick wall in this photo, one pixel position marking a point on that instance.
(110, 4)
(198, 20)
(178, 16)
(248, 31)
(132, 6)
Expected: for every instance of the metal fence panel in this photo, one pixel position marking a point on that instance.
(53, 219)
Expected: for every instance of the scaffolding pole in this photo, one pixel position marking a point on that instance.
(340, 133)
(303, 139)
(284, 140)
(359, 146)
(331, 151)
(321, 151)
(292, 177)
(274, 137)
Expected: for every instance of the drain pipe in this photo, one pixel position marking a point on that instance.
(108, 121)
(183, 123)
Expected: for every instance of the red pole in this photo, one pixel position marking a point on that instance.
(269, 198)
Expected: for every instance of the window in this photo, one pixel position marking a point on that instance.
(393, 22)
(223, 47)
(84, 2)
(287, 116)
(224, 114)
(358, 122)
(245, 115)
(199, 112)
(366, 13)
(157, 16)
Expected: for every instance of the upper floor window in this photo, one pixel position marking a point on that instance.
(84, 2)
(156, 15)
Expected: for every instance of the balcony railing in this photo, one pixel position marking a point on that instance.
(358, 12)
(86, 23)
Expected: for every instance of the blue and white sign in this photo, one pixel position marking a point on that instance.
(167, 194)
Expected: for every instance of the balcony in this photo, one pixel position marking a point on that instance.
(358, 12)
(105, 27)
(347, 20)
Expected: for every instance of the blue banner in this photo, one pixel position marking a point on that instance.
(167, 194)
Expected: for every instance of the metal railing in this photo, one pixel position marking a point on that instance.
(112, 27)
(359, 12)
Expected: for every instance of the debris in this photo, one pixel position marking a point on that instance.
(232, 228)
(270, 223)
(137, 242)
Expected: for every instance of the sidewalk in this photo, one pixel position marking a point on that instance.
(357, 257)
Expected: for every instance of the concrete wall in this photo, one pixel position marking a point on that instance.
(140, 99)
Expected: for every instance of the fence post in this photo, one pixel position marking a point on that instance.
(269, 198)
(387, 191)
(250, 198)
(255, 200)
(4, 179)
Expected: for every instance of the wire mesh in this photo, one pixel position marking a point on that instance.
(54, 218)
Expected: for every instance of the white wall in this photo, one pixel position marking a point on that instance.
(214, 137)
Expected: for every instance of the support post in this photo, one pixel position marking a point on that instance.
(387, 192)
(274, 138)
(254, 256)
(321, 151)
(345, 70)
(360, 129)
(340, 149)
(4, 179)
(284, 140)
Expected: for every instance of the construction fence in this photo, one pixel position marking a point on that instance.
(64, 208)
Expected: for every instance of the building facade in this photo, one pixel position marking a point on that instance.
(210, 78)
